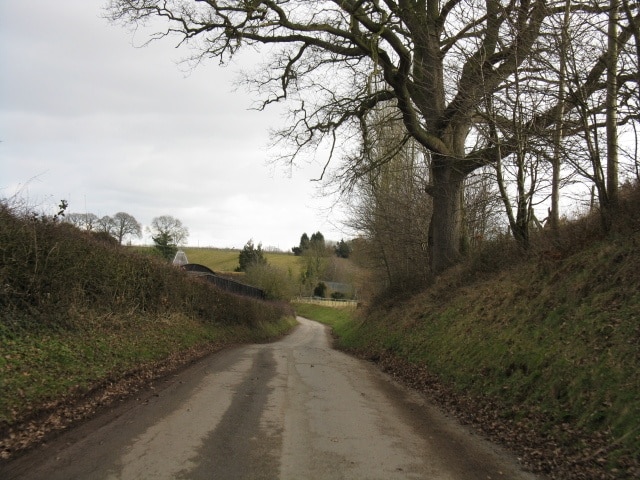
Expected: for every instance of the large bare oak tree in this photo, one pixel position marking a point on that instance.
(335, 62)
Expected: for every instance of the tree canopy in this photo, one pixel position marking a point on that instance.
(164, 245)
(342, 249)
(120, 226)
(124, 225)
(250, 255)
(447, 71)
(169, 227)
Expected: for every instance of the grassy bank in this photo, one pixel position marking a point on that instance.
(544, 355)
(84, 322)
(41, 369)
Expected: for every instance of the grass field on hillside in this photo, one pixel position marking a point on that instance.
(226, 260)
(219, 260)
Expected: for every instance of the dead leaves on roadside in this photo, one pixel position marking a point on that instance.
(48, 420)
(564, 453)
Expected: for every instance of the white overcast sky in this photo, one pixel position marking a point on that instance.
(86, 117)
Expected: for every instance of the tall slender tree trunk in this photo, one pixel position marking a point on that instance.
(521, 227)
(554, 211)
(612, 107)
(635, 24)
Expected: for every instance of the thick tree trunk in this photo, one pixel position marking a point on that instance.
(446, 220)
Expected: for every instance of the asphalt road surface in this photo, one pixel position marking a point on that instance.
(294, 409)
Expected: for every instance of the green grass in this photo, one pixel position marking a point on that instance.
(335, 317)
(219, 260)
(226, 260)
(344, 322)
(37, 368)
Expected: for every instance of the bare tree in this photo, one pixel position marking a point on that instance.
(519, 165)
(562, 83)
(171, 228)
(612, 105)
(483, 207)
(438, 60)
(592, 127)
(389, 202)
(106, 224)
(125, 225)
(630, 9)
(75, 219)
(90, 221)
(84, 221)
(558, 134)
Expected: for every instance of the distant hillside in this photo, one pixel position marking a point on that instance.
(226, 260)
